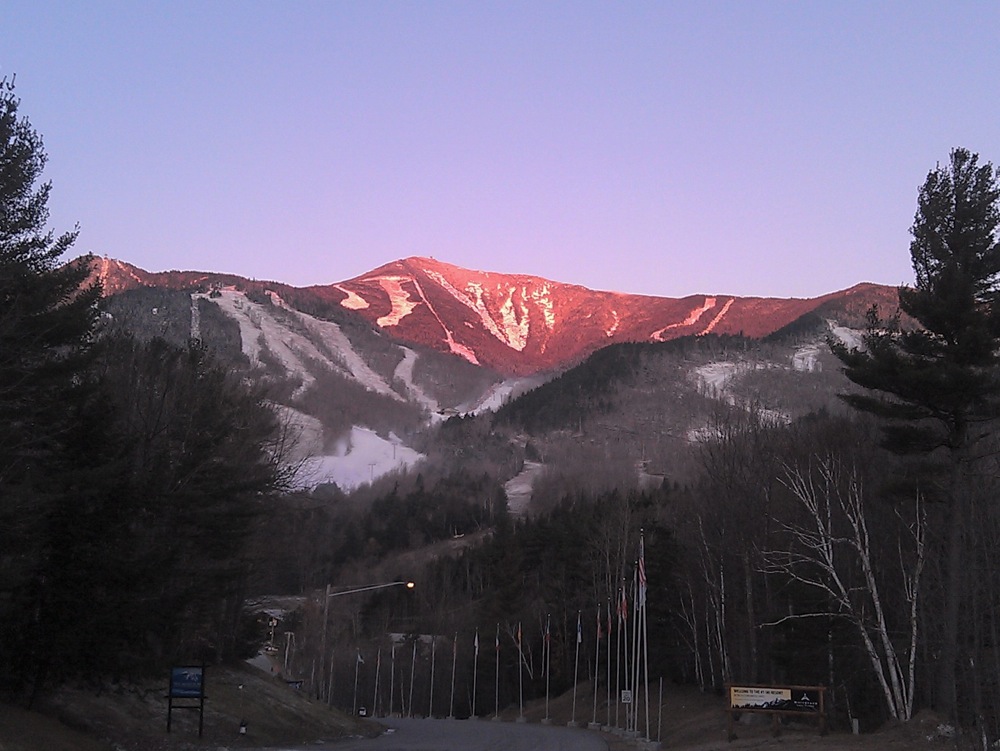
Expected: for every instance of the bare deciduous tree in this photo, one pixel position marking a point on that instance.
(832, 550)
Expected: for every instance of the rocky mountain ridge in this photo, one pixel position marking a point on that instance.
(366, 368)
(517, 324)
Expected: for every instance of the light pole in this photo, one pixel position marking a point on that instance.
(350, 591)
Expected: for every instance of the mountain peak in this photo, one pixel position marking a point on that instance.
(517, 323)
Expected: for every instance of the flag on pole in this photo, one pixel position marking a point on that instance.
(547, 637)
(642, 573)
(623, 605)
(360, 658)
(475, 643)
(518, 634)
(579, 629)
(600, 633)
(498, 638)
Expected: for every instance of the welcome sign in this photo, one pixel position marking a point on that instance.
(778, 698)
(187, 682)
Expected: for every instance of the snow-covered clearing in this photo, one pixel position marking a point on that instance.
(806, 358)
(404, 373)
(499, 393)
(719, 316)
(691, 320)
(714, 380)
(360, 458)
(515, 327)
(321, 343)
(519, 488)
(851, 338)
(399, 298)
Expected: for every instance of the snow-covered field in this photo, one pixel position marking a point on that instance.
(358, 459)
(519, 488)
(493, 399)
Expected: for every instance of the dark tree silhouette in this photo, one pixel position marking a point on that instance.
(936, 384)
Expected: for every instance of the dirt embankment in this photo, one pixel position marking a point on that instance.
(133, 718)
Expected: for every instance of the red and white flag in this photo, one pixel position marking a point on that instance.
(642, 573)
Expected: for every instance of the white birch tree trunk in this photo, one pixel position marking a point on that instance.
(821, 557)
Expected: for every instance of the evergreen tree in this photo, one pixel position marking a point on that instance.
(45, 318)
(936, 384)
(46, 322)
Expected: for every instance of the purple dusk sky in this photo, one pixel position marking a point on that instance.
(669, 148)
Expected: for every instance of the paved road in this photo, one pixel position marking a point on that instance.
(474, 735)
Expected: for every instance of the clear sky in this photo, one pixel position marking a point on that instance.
(668, 148)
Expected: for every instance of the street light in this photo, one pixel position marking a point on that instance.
(350, 591)
(369, 587)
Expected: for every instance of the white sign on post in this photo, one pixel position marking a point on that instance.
(626, 696)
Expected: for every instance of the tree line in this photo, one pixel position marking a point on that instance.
(852, 550)
(131, 472)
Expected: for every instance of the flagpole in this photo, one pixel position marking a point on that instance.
(496, 688)
(548, 665)
(634, 727)
(659, 720)
(329, 687)
(454, 659)
(378, 669)
(618, 656)
(413, 666)
(520, 679)
(643, 586)
(609, 666)
(475, 672)
(392, 679)
(357, 668)
(576, 667)
(430, 701)
(597, 668)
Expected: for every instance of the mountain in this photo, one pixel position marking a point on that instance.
(518, 324)
(561, 384)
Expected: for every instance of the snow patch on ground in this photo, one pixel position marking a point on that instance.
(850, 338)
(610, 331)
(806, 358)
(544, 302)
(515, 331)
(519, 488)
(353, 301)
(714, 380)
(499, 393)
(360, 458)
(453, 346)
(715, 321)
(404, 373)
(693, 317)
(325, 343)
(399, 298)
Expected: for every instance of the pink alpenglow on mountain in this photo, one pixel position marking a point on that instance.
(518, 324)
